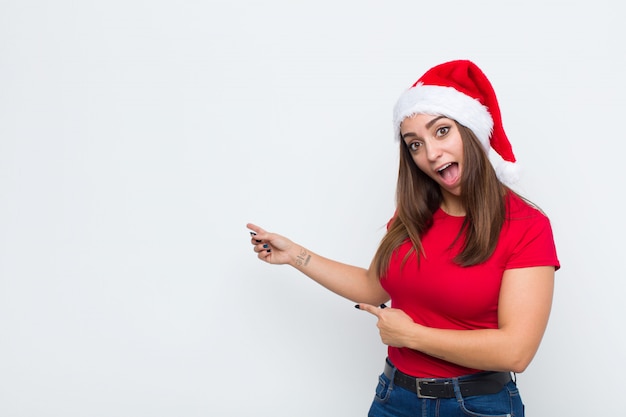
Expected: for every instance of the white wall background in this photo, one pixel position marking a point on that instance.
(137, 139)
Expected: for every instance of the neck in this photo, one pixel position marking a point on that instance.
(452, 206)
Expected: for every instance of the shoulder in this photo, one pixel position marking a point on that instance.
(519, 208)
(527, 234)
(525, 221)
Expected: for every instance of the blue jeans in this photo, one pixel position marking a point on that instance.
(394, 401)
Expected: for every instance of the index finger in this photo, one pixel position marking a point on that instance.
(369, 308)
(254, 228)
(257, 232)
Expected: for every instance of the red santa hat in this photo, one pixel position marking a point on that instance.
(461, 91)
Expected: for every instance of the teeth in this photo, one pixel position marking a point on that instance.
(444, 167)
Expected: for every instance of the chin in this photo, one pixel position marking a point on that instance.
(455, 190)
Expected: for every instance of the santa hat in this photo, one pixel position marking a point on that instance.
(461, 91)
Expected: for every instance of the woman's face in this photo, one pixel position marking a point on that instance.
(436, 147)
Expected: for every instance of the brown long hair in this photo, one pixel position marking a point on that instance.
(418, 197)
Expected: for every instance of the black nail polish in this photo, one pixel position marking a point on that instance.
(252, 234)
(269, 250)
(258, 241)
(357, 306)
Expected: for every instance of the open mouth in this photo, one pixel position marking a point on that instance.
(449, 172)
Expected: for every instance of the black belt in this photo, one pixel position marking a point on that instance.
(483, 383)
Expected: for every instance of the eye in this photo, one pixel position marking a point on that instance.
(414, 146)
(442, 131)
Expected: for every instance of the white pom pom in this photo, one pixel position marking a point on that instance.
(508, 172)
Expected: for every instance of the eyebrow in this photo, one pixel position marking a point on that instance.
(428, 126)
(432, 122)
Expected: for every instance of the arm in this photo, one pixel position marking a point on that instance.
(351, 282)
(524, 307)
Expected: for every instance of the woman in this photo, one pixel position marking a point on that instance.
(467, 263)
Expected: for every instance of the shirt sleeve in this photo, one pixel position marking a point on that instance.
(535, 246)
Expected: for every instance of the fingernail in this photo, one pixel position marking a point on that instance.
(269, 250)
(266, 246)
(258, 241)
(383, 306)
(252, 233)
(357, 306)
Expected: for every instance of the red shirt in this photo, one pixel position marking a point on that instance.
(441, 294)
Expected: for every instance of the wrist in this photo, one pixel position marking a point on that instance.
(301, 258)
(413, 336)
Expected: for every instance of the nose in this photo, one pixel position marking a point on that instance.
(433, 150)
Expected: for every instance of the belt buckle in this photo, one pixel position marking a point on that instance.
(426, 381)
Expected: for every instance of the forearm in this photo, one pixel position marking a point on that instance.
(523, 311)
(354, 283)
(485, 349)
